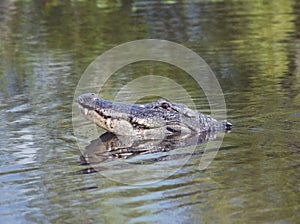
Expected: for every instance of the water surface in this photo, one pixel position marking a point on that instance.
(253, 48)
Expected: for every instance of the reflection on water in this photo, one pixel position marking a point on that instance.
(140, 155)
(252, 46)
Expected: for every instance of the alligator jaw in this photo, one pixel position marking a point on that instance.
(93, 116)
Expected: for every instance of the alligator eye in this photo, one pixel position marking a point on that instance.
(165, 105)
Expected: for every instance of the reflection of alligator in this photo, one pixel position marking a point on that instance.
(159, 119)
(110, 146)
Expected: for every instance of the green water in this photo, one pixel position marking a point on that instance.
(253, 47)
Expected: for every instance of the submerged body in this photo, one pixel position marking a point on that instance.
(159, 118)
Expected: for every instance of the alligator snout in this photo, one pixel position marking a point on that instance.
(87, 100)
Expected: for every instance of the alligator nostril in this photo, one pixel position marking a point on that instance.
(79, 100)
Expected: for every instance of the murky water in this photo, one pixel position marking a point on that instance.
(252, 46)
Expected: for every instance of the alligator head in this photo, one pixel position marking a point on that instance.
(159, 118)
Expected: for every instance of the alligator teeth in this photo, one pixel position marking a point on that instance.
(86, 111)
(108, 121)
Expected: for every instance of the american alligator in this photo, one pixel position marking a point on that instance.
(158, 119)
